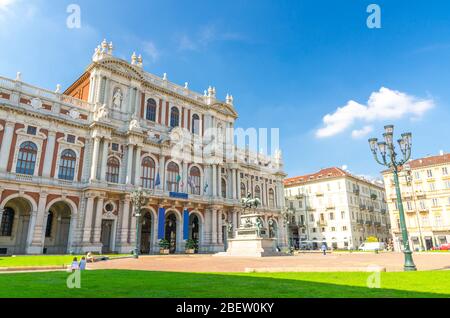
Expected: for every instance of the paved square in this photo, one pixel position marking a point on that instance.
(301, 262)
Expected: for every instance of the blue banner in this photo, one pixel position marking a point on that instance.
(161, 222)
(185, 224)
(178, 195)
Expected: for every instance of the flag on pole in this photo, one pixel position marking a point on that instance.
(205, 187)
(178, 178)
(157, 181)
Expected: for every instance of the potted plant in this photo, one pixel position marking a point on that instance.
(191, 246)
(164, 246)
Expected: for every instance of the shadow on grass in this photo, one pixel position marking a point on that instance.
(142, 284)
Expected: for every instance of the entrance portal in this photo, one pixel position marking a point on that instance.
(146, 231)
(171, 231)
(107, 226)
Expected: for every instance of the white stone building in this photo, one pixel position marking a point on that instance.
(70, 160)
(335, 207)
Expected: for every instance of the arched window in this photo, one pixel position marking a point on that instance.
(271, 198)
(112, 174)
(195, 124)
(243, 191)
(173, 176)
(258, 192)
(174, 117)
(194, 180)
(224, 188)
(27, 158)
(48, 229)
(7, 222)
(151, 109)
(67, 165)
(148, 173)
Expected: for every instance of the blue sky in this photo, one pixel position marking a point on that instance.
(287, 63)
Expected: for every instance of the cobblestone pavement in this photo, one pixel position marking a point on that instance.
(301, 262)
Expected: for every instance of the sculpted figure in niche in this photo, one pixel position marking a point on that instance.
(117, 98)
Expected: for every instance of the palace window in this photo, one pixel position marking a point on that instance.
(115, 146)
(71, 139)
(67, 165)
(194, 180)
(26, 160)
(151, 109)
(258, 192)
(31, 130)
(148, 173)
(243, 190)
(272, 198)
(224, 188)
(174, 117)
(173, 176)
(7, 222)
(112, 173)
(195, 124)
(48, 228)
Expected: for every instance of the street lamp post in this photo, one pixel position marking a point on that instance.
(139, 200)
(389, 159)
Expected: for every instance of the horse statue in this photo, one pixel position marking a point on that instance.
(249, 202)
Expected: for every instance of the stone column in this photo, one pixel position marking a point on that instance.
(98, 220)
(125, 221)
(234, 187)
(30, 235)
(219, 227)
(235, 221)
(39, 227)
(185, 177)
(48, 157)
(1, 214)
(137, 167)
(94, 162)
(6, 145)
(214, 227)
(162, 165)
(129, 164)
(214, 180)
(73, 223)
(104, 163)
(88, 219)
(219, 181)
(238, 177)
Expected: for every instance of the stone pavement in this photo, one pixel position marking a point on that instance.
(302, 262)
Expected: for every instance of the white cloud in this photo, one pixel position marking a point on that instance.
(187, 44)
(206, 35)
(6, 4)
(386, 104)
(360, 133)
(151, 51)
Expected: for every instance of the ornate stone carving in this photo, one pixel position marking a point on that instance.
(36, 103)
(117, 98)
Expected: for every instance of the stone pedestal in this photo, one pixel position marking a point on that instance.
(251, 239)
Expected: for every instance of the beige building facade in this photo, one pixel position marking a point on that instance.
(425, 189)
(335, 207)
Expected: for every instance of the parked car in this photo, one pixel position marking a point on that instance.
(372, 246)
(443, 247)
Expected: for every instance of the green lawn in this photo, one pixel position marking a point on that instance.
(41, 260)
(125, 283)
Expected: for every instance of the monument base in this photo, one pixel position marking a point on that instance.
(251, 240)
(251, 247)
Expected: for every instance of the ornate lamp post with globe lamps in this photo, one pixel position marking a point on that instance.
(139, 200)
(389, 159)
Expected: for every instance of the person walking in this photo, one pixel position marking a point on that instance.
(74, 265)
(82, 265)
(324, 248)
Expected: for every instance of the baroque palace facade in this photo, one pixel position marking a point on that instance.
(69, 162)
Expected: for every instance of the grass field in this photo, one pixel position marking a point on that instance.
(41, 260)
(125, 283)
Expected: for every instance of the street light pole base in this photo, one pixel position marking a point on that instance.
(409, 265)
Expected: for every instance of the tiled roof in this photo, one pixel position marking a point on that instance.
(322, 174)
(327, 173)
(429, 161)
(426, 162)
